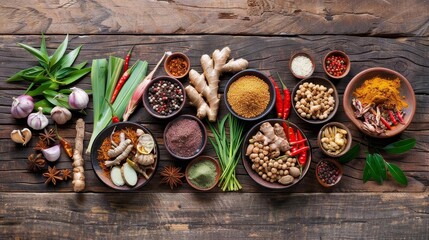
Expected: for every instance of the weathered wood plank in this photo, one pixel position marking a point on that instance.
(406, 55)
(247, 17)
(198, 216)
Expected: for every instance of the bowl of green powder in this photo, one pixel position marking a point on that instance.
(249, 95)
(203, 173)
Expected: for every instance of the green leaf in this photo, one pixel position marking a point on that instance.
(57, 99)
(350, 155)
(76, 75)
(379, 161)
(26, 74)
(366, 173)
(373, 169)
(80, 65)
(64, 72)
(397, 174)
(43, 47)
(401, 146)
(36, 53)
(45, 104)
(39, 90)
(68, 59)
(59, 52)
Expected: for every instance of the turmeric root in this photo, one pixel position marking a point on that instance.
(204, 95)
(78, 161)
(120, 148)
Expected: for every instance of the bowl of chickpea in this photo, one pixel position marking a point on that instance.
(315, 100)
(276, 154)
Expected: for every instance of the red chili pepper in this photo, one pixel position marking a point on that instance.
(115, 118)
(120, 83)
(298, 141)
(392, 118)
(286, 100)
(279, 101)
(302, 159)
(292, 138)
(385, 123)
(298, 151)
(65, 144)
(399, 115)
(127, 59)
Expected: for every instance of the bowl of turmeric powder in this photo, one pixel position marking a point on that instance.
(249, 95)
(380, 102)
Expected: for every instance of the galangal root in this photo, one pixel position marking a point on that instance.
(204, 95)
(78, 161)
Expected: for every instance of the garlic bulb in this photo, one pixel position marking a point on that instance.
(60, 115)
(22, 106)
(37, 121)
(52, 154)
(78, 99)
(21, 136)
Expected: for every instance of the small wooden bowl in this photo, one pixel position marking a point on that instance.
(320, 81)
(197, 160)
(204, 137)
(304, 55)
(186, 65)
(339, 125)
(340, 174)
(148, 105)
(341, 54)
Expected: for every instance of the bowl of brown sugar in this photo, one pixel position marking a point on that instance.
(249, 95)
(185, 137)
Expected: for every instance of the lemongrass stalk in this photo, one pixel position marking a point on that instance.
(98, 84)
(138, 92)
(114, 71)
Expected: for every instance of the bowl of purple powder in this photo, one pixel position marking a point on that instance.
(185, 137)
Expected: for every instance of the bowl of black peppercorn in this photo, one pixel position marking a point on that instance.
(164, 97)
(328, 172)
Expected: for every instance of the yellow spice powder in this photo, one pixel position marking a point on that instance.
(248, 96)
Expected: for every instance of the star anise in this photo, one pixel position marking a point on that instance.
(48, 135)
(52, 175)
(35, 162)
(40, 145)
(66, 174)
(171, 176)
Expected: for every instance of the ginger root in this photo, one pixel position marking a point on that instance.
(274, 141)
(78, 161)
(204, 95)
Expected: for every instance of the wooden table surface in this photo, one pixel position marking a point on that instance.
(392, 34)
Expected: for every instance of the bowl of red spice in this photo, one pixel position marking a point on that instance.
(336, 64)
(164, 97)
(380, 102)
(203, 173)
(328, 172)
(177, 65)
(185, 137)
(249, 95)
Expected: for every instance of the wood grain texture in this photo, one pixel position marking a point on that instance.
(406, 55)
(210, 216)
(245, 17)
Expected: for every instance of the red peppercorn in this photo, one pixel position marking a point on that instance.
(336, 65)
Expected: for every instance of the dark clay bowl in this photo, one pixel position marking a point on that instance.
(105, 178)
(197, 160)
(406, 90)
(305, 55)
(247, 163)
(321, 81)
(251, 72)
(148, 105)
(340, 169)
(167, 62)
(200, 148)
(347, 62)
(349, 139)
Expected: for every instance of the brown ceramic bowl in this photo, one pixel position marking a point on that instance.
(321, 81)
(406, 90)
(197, 160)
(341, 54)
(247, 163)
(150, 107)
(304, 55)
(338, 125)
(104, 176)
(260, 75)
(200, 148)
(171, 65)
(340, 174)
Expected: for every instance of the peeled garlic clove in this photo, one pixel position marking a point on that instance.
(27, 135)
(17, 137)
(60, 115)
(52, 154)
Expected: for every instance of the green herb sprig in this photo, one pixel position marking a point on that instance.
(376, 167)
(52, 75)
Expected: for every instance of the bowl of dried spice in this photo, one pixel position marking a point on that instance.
(185, 137)
(177, 65)
(336, 64)
(203, 173)
(164, 97)
(125, 156)
(301, 65)
(380, 102)
(249, 95)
